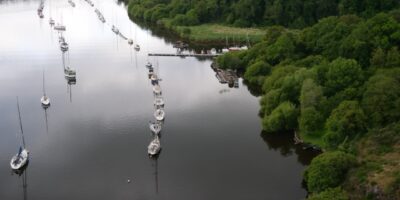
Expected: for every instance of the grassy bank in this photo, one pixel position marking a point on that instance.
(209, 33)
(215, 32)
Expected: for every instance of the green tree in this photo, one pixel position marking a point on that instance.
(378, 59)
(393, 58)
(311, 96)
(328, 170)
(346, 122)
(381, 100)
(330, 194)
(256, 72)
(282, 118)
(343, 73)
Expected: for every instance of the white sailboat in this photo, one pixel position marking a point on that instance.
(157, 89)
(159, 114)
(45, 100)
(137, 47)
(130, 41)
(155, 127)
(51, 20)
(159, 101)
(154, 147)
(115, 29)
(69, 73)
(149, 65)
(64, 46)
(154, 79)
(20, 159)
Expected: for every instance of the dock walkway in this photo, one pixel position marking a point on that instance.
(185, 55)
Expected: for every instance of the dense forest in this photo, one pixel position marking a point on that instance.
(337, 83)
(245, 13)
(328, 70)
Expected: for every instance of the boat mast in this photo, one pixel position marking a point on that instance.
(20, 123)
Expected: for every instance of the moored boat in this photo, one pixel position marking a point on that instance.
(155, 127)
(157, 89)
(20, 159)
(159, 102)
(159, 114)
(154, 147)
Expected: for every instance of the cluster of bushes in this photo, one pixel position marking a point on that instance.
(335, 81)
(245, 13)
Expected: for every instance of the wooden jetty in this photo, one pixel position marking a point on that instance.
(185, 55)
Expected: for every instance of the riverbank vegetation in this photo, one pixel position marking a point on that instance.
(196, 20)
(211, 33)
(329, 70)
(337, 83)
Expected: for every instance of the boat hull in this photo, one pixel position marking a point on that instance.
(45, 101)
(159, 114)
(19, 160)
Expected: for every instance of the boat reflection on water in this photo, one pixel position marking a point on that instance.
(154, 163)
(23, 173)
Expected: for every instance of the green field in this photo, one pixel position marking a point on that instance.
(218, 33)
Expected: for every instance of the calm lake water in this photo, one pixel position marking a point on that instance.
(94, 137)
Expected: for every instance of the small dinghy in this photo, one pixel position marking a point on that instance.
(154, 147)
(155, 127)
(159, 114)
(159, 102)
(130, 41)
(157, 89)
(20, 159)
(64, 46)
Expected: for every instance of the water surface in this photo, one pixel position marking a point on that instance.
(96, 134)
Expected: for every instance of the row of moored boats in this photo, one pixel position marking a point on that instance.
(159, 114)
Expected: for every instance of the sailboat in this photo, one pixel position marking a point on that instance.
(115, 29)
(157, 89)
(159, 101)
(154, 147)
(51, 20)
(21, 158)
(159, 114)
(64, 46)
(149, 65)
(136, 47)
(130, 41)
(45, 100)
(154, 79)
(155, 127)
